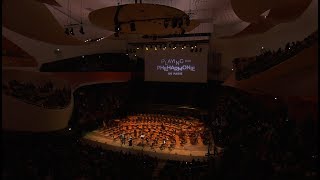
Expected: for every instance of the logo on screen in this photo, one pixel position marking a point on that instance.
(176, 66)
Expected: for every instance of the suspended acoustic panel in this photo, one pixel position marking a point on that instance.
(50, 2)
(14, 56)
(288, 10)
(250, 10)
(148, 19)
(33, 20)
(280, 11)
(262, 26)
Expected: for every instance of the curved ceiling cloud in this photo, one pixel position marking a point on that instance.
(14, 56)
(35, 21)
(253, 11)
(148, 19)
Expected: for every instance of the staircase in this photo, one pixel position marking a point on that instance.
(157, 170)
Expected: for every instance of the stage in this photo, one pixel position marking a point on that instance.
(163, 136)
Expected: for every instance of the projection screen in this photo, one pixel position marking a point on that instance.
(176, 65)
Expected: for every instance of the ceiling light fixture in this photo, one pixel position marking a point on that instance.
(180, 22)
(71, 31)
(174, 22)
(132, 26)
(81, 30)
(188, 21)
(166, 23)
(67, 31)
(183, 31)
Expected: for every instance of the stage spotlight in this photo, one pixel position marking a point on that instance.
(166, 23)
(183, 31)
(117, 28)
(154, 38)
(132, 26)
(188, 21)
(71, 31)
(174, 23)
(180, 22)
(81, 30)
(67, 31)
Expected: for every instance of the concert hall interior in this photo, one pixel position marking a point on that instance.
(160, 89)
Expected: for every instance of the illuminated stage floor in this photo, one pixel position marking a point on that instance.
(108, 138)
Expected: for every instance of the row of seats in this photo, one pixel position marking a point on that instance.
(269, 58)
(45, 95)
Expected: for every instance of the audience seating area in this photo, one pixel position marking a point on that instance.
(64, 158)
(242, 126)
(115, 62)
(267, 59)
(43, 95)
(258, 142)
(194, 170)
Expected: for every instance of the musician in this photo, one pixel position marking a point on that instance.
(122, 138)
(162, 126)
(130, 141)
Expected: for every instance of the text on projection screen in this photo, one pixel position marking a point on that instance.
(176, 65)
